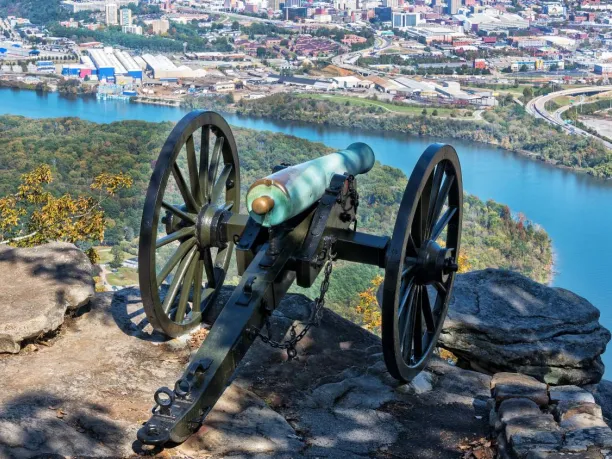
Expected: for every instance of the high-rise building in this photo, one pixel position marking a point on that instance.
(125, 17)
(452, 6)
(111, 13)
(159, 26)
(274, 5)
(389, 3)
(401, 20)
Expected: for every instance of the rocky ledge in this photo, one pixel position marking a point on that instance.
(38, 286)
(503, 321)
(88, 393)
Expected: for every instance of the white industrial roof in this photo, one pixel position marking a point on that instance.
(87, 62)
(159, 62)
(127, 61)
(140, 61)
(103, 59)
(414, 84)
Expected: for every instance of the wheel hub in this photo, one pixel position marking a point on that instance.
(208, 228)
(434, 264)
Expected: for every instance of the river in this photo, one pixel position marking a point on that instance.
(575, 209)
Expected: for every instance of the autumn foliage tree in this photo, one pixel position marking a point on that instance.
(34, 216)
(368, 307)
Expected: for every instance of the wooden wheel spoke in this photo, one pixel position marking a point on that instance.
(180, 253)
(411, 247)
(423, 208)
(418, 326)
(441, 288)
(435, 192)
(178, 278)
(427, 312)
(192, 165)
(417, 232)
(405, 317)
(203, 175)
(209, 268)
(178, 212)
(214, 165)
(443, 222)
(221, 182)
(188, 198)
(405, 298)
(408, 270)
(186, 287)
(183, 232)
(440, 200)
(197, 286)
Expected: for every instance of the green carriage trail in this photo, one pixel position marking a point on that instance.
(79, 150)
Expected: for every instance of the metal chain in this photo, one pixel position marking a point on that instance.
(326, 258)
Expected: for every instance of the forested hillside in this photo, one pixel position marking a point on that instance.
(37, 11)
(508, 126)
(78, 150)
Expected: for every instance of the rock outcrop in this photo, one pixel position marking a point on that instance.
(88, 393)
(38, 286)
(503, 321)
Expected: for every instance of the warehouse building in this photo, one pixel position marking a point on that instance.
(106, 63)
(131, 66)
(164, 69)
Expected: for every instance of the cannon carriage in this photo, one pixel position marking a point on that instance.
(299, 220)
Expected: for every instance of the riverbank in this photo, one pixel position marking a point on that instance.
(507, 127)
(566, 204)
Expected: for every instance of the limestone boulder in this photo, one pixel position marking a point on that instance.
(38, 286)
(502, 321)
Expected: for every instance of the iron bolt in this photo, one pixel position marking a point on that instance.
(450, 266)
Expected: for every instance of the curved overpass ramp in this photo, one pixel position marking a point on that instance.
(537, 107)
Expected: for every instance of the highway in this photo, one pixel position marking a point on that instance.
(537, 107)
(379, 44)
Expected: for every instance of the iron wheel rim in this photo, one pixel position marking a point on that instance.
(424, 214)
(207, 172)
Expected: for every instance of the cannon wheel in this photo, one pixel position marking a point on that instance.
(180, 270)
(421, 262)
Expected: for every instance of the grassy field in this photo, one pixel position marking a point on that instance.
(105, 254)
(562, 101)
(407, 109)
(123, 277)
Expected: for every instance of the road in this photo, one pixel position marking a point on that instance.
(340, 60)
(537, 108)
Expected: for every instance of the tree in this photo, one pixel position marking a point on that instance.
(117, 260)
(527, 93)
(523, 68)
(368, 307)
(424, 112)
(34, 216)
(435, 112)
(235, 26)
(261, 52)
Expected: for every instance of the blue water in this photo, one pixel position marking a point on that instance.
(575, 209)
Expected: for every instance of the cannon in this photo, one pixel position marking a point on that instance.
(299, 220)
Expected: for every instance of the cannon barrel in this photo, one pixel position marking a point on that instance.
(286, 193)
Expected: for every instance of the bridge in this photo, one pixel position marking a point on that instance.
(537, 107)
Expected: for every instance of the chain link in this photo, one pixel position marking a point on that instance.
(325, 259)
